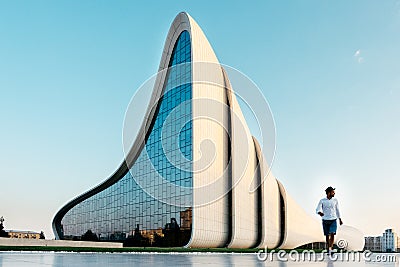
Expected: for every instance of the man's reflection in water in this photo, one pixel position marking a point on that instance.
(329, 262)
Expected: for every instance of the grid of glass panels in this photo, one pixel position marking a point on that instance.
(114, 213)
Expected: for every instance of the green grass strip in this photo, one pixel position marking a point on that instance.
(129, 249)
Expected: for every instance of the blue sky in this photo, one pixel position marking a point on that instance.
(329, 70)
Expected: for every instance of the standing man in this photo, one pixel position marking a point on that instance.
(328, 209)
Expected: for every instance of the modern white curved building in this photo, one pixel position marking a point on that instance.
(187, 178)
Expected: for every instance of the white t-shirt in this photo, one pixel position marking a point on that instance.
(329, 207)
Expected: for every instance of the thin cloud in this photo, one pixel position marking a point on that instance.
(358, 57)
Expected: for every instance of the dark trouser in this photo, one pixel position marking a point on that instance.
(329, 226)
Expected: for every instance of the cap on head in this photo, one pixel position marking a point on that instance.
(329, 189)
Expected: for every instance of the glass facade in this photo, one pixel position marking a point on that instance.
(125, 211)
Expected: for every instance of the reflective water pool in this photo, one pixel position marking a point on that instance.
(174, 259)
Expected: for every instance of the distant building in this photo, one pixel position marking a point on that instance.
(186, 218)
(389, 241)
(23, 234)
(373, 243)
(398, 244)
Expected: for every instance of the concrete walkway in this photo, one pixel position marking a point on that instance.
(56, 243)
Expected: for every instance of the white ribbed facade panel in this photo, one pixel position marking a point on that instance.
(244, 166)
(270, 203)
(300, 226)
(210, 138)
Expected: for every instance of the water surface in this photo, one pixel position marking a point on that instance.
(56, 259)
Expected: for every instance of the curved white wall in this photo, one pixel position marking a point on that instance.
(301, 228)
(244, 167)
(210, 218)
(270, 202)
